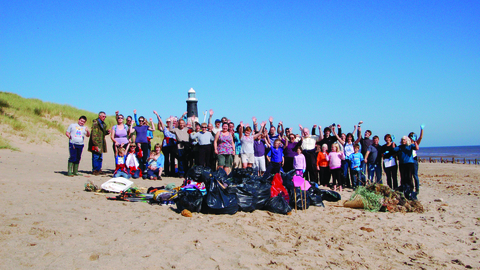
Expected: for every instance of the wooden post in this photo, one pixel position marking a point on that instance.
(453, 160)
(430, 159)
(464, 161)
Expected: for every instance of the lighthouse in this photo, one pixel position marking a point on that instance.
(192, 104)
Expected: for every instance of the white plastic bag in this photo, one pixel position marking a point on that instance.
(117, 184)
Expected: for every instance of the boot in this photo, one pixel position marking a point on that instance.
(70, 169)
(75, 170)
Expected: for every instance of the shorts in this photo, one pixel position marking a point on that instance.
(260, 164)
(225, 160)
(248, 158)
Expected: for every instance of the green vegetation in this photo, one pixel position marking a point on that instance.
(24, 116)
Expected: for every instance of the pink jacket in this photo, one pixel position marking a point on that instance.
(335, 159)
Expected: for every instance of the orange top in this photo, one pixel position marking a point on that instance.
(322, 160)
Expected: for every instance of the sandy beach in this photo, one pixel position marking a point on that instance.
(48, 221)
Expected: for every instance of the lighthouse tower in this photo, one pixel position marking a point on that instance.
(192, 104)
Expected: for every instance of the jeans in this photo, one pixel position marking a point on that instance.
(153, 173)
(122, 174)
(181, 162)
(97, 159)
(415, 175)
(345, 166)
(375, 170)
(75, 152)
(356, 178)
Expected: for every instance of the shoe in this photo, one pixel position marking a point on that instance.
(70, 169)
(75, 170)
(95, 172)
(144, 177)
(160, 178)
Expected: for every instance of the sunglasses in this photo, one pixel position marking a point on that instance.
(120, 117)
(204, 127)
(141, 121)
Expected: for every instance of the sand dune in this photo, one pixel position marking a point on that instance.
(48, 221)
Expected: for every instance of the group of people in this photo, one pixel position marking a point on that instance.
(331, 158)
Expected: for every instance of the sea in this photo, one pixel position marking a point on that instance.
(469, 152)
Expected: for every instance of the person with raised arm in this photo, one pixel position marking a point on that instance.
(247, 153)
(413, 137)
(308, 148)
(142, 141)
(289, 152)
(259, 145)
(347, 142)
(364, 142)
(405, 158)
(169, 146)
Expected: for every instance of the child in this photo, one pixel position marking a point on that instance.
(334, 159)
(275, 158)
(299, 162)
(322, 166)
(131, 161)
(356, 161)
(120, 169)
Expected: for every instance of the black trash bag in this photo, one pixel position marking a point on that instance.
(220, 175)
(303, 199)
(287, 181)
(262, 194)
(206, 175)
(218, 200)
(189, 199)
(195, 173)
(246, 195)
(329, 195)
(278, 205)
(315, 199)
(239, 176)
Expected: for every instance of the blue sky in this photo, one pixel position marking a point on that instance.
(394, 65)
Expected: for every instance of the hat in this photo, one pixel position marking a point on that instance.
(217, 121)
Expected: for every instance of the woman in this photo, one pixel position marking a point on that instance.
(247, 152)
(390, 161)
(142, 141)
(119, 134)
(156, 162)
(224, 148)
(347, 142)
(289, 152)
(405, 158)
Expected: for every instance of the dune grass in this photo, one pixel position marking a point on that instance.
(23, 117)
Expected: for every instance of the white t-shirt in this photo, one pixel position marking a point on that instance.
(77, 133)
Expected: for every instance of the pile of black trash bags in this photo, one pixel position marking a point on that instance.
(243, 190)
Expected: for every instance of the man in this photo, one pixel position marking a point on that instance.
(308, 144)
(364, 142)
(76, 134)
(183, 145)
(373, 159)
(97, 143)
